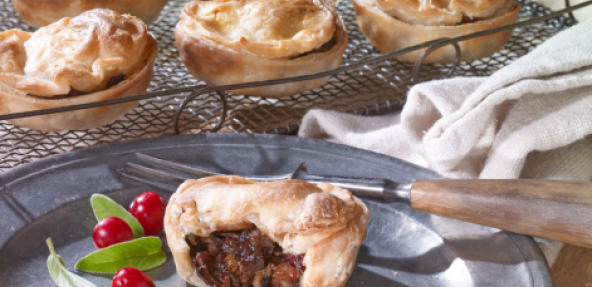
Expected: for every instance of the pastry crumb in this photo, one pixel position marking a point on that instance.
(396, 273)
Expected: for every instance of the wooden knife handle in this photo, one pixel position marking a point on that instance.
(559, 210)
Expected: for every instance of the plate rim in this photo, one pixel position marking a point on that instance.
(14, 175)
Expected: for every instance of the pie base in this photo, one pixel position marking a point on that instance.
(389, 34)
(15, 101)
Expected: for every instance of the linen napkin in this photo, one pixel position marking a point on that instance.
(531, 119)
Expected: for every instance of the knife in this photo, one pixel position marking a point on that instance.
(558, 210)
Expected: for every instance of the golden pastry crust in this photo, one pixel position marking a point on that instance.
(389, 34)
(326, 223)
(40, 13)
(83, 53)
(439, 12)
(80, 53)
(226, 42)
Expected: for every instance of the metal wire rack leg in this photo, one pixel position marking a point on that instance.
(570, 13)
(191, 97)
(433, 47)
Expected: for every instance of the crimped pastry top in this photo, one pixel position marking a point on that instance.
(294, 213)
(81, 53)
(269, 28)
(440, 12)
(325, 222)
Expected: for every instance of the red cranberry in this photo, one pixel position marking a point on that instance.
(296, 261)
(149, 208)
(131, 277)
(111, 230)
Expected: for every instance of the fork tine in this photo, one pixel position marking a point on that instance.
(156, 184)
(204, 172)
(185, 168)
(157, 172)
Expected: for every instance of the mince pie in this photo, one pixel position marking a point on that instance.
(229, 231)
(98, 55)
(226, 42)
(391, 25)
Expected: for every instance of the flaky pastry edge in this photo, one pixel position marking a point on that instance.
(389, 34)
(15, 101)
(329, 262)
(217, 64)
(39, 13)
(302, 42)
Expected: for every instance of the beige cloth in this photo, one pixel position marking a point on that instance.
(580, 14)
(531, 119)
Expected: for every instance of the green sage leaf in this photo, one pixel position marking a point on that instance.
(104, 206)
(143, 253)
(60, 274)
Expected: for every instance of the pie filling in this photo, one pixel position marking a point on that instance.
(244, 258)
(324, 48)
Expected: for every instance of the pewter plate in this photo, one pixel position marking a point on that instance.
(50, 198)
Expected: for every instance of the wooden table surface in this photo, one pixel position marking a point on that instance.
(573, 267)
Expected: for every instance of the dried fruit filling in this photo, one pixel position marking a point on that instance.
(244, 258)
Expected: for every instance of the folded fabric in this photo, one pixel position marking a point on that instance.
(531, 119)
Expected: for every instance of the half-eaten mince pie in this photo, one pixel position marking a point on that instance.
(44, 12)
(98, 55)
(230, 231)
(226, 42)
(391, 25)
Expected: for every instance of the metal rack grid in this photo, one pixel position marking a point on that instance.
(374, 89)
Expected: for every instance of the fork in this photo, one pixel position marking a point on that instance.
(558, 210)
(385, 189)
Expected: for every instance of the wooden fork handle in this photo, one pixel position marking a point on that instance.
(559, 210)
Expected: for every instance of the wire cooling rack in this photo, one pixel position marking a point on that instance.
(373, 89)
